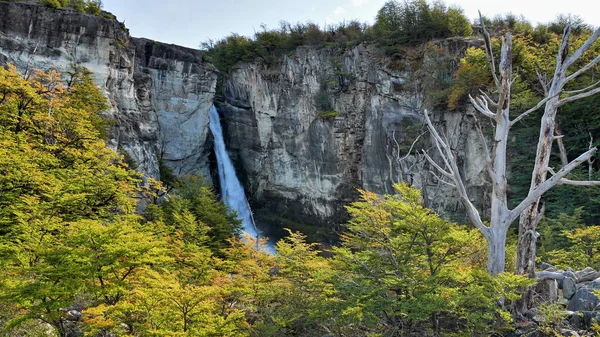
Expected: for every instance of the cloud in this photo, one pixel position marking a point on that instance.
(335, 15)
(359, 3)
(339, 11)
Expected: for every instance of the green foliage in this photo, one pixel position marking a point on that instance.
(57, 175)
(583, 250)
(52, 3)
(329, 115)
(553, 316)
(417, 21)
(458, 24)
(437, 71)
(167, 176)
(472, 75)
(93, 7)
(195, 196)
(396, 24)
(402, 265)
(552, 231)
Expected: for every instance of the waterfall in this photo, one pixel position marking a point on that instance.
(232, 191)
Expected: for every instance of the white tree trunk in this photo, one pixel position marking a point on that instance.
(529, 209)
(496, 251)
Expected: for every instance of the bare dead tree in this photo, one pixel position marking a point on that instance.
(501, 216)
(532, 211)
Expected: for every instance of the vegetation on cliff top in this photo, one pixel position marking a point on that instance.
(397, 23)
(93, 7)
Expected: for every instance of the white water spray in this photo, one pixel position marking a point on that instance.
(232, 191)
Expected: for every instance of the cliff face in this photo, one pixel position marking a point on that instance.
(299, 165)
(159, 94)
(294, 163)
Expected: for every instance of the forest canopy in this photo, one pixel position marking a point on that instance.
(78, 255)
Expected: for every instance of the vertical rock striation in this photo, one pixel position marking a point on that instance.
(159, 94)
(301, 165)
(294, 162)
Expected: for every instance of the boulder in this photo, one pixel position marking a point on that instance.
(586, 275)
(583, 300)
(569, 287)
(570, 273)
(545, 266)
(569, 333)
(581, 320)
(548, 290)
(74, 315)
(531, 313)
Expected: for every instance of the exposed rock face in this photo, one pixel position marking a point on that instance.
(294, 163)
(159, 94)
(299, 165)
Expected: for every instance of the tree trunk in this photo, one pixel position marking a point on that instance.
(496, 251)
(526, 251)
(531, 216)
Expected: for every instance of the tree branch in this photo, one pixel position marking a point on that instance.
(488, 51)
(551, 182)
(526, 113)
(563, 52)
(579, 96)
(437, 167)
(450, 161)
(581, 90)
(583, 69)
(579, 52)
(549, 275)
(579, 183)
(481, 105)
(492, 102)
(545, 83)
(440, 179)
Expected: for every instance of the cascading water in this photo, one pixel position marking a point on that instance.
(232, 191)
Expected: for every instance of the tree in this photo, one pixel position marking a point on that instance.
(501, 216)
(401, 266)
(556, 96)
(67, 200)
(199, 198)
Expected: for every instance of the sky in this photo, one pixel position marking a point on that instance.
(190, 22)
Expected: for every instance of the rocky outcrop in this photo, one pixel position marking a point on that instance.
(160, 94)
(575, 292)
(295, 163)
(301, 165)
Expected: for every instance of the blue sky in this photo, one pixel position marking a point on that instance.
(190, 22)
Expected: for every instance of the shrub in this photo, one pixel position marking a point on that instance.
(330, 114)
(52, 4)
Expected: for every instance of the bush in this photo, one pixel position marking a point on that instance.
(52, 4)
(400, 264)
(93, 7)
(330, 114)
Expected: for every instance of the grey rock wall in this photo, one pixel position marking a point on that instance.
(301, 166)
(159, 94)
(294, 164)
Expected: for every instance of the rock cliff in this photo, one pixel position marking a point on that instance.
(300, 164)
(295, 162)
(159, 94)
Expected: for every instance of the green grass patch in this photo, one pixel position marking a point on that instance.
(329, 114)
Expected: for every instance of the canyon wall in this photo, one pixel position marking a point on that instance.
(297, 164)
(304, 165)
(159, 94)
